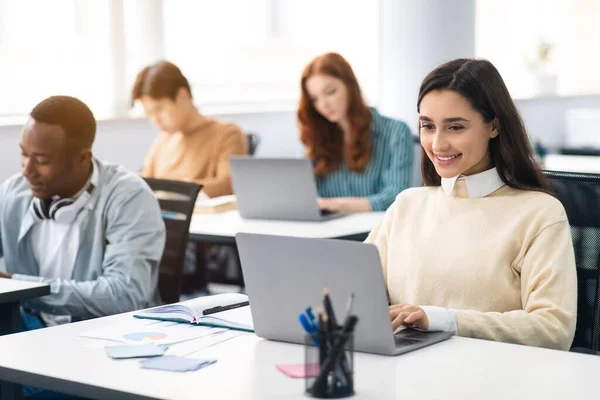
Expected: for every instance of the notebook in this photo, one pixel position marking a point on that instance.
(215, 205)
(191, 311)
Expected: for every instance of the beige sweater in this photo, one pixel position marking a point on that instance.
(201, 156)
(504, 263)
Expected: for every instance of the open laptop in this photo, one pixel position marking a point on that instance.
(282, 189)
(284, 275)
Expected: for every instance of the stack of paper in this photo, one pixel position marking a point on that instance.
(215, 205)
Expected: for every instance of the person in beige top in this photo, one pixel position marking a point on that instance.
(190, 147)
(483, 250)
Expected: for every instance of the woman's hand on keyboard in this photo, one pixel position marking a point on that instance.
(408, 315)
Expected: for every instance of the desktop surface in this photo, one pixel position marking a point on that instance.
(222, 228)
(572, 163)
(12, 290)
(459, 368)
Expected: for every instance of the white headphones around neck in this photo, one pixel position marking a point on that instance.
(62, 211)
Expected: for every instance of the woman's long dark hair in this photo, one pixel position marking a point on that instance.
(480, 83)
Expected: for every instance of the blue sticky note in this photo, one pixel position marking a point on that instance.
(176, 364)
(135, 350)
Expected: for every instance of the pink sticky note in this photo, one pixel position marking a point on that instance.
(299, 370)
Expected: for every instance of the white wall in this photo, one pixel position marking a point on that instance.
(545, 117)
(416, 37)
(127, 141)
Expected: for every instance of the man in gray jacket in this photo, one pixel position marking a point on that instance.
(92, 230)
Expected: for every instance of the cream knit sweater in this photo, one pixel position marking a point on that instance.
(503, 263)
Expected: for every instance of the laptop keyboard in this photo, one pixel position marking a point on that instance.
(403, 342)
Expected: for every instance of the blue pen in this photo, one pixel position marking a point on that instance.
(311, 316)
(309, 327)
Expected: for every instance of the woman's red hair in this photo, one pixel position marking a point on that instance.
(324, 140)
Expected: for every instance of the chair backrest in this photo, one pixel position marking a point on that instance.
(253, 142)
(580, 195)
(177, 200)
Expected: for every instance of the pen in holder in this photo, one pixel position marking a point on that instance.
(329, 364)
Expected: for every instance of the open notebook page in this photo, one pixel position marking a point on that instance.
(239, 318)
(192, 309)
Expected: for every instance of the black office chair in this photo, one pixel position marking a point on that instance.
(580, 195)
(253, 142)
(177, 200)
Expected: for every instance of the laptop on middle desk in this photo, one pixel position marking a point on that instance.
(284, 275)
(276, 188)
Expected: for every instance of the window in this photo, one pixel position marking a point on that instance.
(234, 52)
(542, 48)
(254, 51)
(60, 48)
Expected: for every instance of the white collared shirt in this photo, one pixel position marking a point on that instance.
(478, 186)
(55, 246)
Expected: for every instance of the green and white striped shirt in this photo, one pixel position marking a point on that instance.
(388, 172)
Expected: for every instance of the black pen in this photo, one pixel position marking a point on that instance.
(225, 308)
(333, 327)
(329, 310)
(334, 354)
(322, 337)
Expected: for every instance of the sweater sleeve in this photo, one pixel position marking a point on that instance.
(379, 237)
(233, 143)
(397, 174)
(548, 296)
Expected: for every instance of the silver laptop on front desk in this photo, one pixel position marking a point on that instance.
(285, 275)
(281, 189)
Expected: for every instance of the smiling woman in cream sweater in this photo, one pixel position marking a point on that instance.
(482, 250)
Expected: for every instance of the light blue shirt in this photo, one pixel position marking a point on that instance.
(387, 173)
(121, 241)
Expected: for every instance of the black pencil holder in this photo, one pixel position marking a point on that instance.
(329, 373)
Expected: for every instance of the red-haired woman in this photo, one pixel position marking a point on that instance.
(361, 159)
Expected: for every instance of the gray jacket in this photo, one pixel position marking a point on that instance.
(122, 237)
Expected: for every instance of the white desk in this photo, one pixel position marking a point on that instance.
(221, 228)
(559, 162)
(12, 292)
(461, 369)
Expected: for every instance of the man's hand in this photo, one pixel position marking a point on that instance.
(3, 275)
